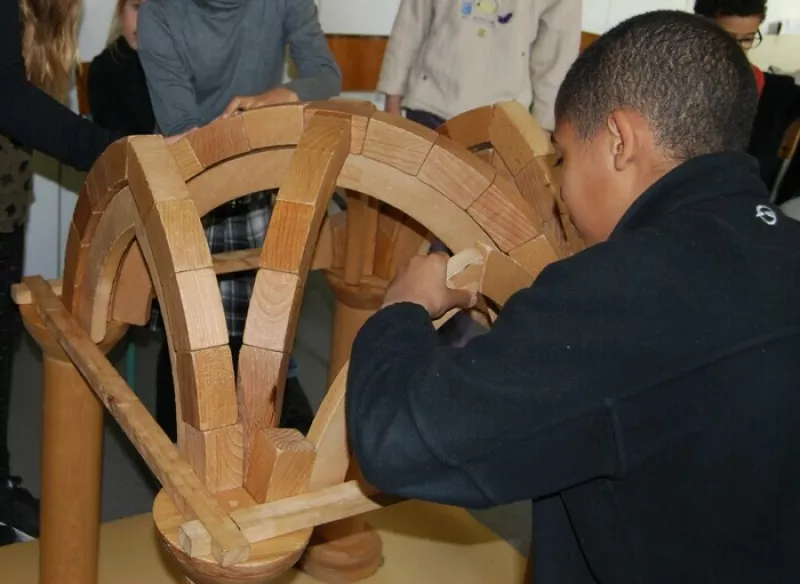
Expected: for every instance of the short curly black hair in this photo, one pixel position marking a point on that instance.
(714, 8)
(682, 72)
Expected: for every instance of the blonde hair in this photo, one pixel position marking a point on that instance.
(49, 43)
(116, 23)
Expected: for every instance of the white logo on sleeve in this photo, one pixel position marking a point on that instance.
(766, 214)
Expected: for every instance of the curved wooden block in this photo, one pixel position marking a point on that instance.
(273, 126)
(398, 142)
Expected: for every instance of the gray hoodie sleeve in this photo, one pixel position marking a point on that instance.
(168, 79)
(318, 76)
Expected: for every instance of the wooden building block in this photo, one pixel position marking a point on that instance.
(280, 464)
(185, 158)
(516, 136)
(260, 385)
(207, 387)
(502, 277)
(317, 161)
(241, 260)
(359, 112)
(456, 173)
(133, 293)
(328, 435)
(220, 140)
(153, 175)
(274, 310)
(500, 167)
(338, 223)
(84, 217)
(292, 231)
(193, 307)
(470, 128)
(539, 190)
(535, 255)
(177, 237)
(410, 195)
(229, 180)
(100, 264)
(216, 456)
(398, 142)
(73, 277)
(276, 125)
(108, 174)
(508, 224)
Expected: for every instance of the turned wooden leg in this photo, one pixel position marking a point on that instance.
(348, 550)
(72, 459)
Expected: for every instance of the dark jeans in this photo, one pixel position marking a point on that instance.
(427, 119)
(296, 413)
(11, 254)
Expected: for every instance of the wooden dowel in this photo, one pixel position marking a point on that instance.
(229, 545)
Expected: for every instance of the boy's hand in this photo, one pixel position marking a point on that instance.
(271, 97)
(423, 281)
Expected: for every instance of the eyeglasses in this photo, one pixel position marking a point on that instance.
(750, 41)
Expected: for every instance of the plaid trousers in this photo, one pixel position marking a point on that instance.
(240, 224)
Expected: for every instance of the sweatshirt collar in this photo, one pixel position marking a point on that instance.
(712, 176)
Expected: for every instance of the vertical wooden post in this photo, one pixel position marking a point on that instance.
(72, 460)
(72, 451)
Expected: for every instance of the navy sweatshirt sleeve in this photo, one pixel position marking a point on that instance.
(30, 116)
(319, 77)
(521, 412)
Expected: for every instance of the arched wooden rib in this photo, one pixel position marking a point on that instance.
(285, 261)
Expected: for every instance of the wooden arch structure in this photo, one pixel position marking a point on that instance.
(240, 496)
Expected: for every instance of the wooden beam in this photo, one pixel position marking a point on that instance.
(284, 516)
(230, 547)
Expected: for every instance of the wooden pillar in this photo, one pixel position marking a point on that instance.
(72, 461)
(72, 451)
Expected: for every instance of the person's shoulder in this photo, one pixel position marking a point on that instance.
(158, 13)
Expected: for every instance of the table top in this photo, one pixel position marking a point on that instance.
(423, 543)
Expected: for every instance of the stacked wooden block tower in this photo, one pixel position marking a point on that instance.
(240, 496)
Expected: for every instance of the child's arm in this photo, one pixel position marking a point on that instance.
(411, 27)
(171, 90)
(319, 76)
(553, 52)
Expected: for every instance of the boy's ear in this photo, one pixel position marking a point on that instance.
(622, 138)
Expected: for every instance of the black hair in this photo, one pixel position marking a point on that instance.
(714, 8)
(682, 72)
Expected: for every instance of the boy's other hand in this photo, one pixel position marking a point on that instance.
(423, 281)
(271, 97)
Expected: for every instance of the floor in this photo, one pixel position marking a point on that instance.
(128, 486)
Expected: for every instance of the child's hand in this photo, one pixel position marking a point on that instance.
(393, 105)
(423, 281)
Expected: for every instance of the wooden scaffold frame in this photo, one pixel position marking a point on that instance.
(241, 496)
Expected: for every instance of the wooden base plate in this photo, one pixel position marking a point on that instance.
(268, 559)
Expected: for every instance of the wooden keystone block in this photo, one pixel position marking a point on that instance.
(456, 173)
(216, 456)
(274, 310)
(207, 387)
(276, 125)
(398, 142)
(280, 464)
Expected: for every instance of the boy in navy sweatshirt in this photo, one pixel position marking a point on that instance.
(643, 393)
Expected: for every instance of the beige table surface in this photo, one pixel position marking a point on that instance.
(423, 544)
